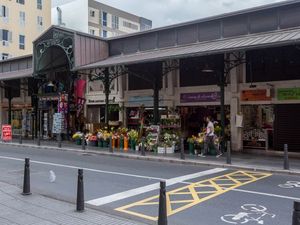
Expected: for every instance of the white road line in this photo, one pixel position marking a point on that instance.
(84, 168)
(151, 187)
(266, 194)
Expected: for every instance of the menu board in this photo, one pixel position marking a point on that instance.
(58, 123)
(6, 133)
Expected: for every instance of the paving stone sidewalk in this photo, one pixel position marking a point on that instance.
(16, 209)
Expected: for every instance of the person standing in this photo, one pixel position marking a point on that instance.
(209, 139)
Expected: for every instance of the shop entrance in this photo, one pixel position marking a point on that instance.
(258, 129)
(193, 118)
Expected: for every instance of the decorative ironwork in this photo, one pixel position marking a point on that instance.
(170, 65)
(60, 39)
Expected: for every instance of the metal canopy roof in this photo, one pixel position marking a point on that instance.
(270, 39)
(16, 74)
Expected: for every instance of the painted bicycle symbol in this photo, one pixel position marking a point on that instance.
(290, 184)
(251, 213)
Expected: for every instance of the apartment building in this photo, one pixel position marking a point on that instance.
(22, 21)
(96, 18)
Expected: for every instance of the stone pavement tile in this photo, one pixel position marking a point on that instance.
(22, 218)
(4, 221)
(45, 223)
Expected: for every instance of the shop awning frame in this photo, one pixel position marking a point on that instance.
(247, 42)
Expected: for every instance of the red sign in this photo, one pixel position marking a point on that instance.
(255, 95)
(6, 133)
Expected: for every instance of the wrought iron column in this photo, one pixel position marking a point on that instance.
(9, 104)
(222, 108)
(106, 92)
(156, 100)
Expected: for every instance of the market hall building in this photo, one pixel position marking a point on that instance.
(255, 52)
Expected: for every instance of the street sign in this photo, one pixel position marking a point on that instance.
(6, 133)
(58, 123)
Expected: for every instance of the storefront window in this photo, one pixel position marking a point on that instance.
(258, 126)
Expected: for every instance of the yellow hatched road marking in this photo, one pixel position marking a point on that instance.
(194, 195)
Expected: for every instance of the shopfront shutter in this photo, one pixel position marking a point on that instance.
(10, 36)
(287, 127)
(1, 34)
(1, 10)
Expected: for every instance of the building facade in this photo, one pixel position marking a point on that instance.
(255, 52)
(21, 22)
(96, 18)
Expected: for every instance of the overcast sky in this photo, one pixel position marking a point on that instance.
(166, 12)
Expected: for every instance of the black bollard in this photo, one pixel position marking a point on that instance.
(143, 147)
(59, 140)
(80, 192)
(39, 139)
(26, 182)
(296, 214)
(162, 211)
(20, 139)
(228, 155)
(83, 143)
(182, 156)
(286, 164)
(110, 145)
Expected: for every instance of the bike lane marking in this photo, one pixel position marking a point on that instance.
(190, 195)
(266, 194)
(151, 187)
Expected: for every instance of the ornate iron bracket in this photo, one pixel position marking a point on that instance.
(170, 65)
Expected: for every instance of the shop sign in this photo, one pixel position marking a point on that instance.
(288, 94)
(141, 100)
(6, 133)
(58, 123)
(255, 95)
(200, 97)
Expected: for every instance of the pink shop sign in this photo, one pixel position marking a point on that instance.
(200, 97)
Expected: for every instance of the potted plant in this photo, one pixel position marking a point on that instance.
(191, 141)
(77, 137)
(100, 138)
(133, 137)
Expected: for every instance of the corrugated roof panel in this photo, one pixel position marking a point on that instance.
(246, 42)
(16, 74)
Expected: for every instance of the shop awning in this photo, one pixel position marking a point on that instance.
(253, 41)
(16, 74)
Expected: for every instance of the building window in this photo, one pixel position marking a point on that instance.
(115, 22)
(4, 56)
(21, 2)
(92, 31)
(39, 4)
(21, 41)
(130, 25)
(22, 18)
(5, 37)
(104, 33)
(40, 21)
(104, 19)
(92, 13)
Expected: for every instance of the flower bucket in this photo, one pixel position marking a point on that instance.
(121, 143)
(161, 150)
(191, 148)
(125, 143)
(100, 143)
(105, 143)
(133, 144)
(78, 141)
(93, 143)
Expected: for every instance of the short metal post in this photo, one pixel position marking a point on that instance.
(228, 155)
(143, 147)
(59, 140)
(110, 145)
(83, 143)
(26, 181)
(20, 139)
(80, 192)
(296, 213)
(286, 164)
(39, 139)
(182, 156)
(162, 211)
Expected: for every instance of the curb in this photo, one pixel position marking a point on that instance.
(162, 159)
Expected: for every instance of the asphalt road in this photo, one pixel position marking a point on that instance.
(196, 195)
